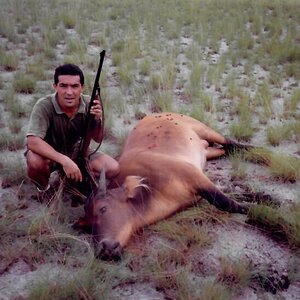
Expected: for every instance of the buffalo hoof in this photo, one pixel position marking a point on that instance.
(243, 208)
(108, 250)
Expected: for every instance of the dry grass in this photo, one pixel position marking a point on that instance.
(283, 167)
(217, 61)
(283, 224)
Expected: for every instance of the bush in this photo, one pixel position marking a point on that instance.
(24, 83)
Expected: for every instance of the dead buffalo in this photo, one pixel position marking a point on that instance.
(162, 171)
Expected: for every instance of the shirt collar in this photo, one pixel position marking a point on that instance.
(81, 109)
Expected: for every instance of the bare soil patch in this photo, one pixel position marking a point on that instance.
(220, 64)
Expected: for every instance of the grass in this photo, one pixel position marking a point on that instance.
(239, 169)
(236, 275)
(162, 101)
(184, 234)
(277, 134)
(290, 106)
(8, 60)
(281, 166)
(145, 67)
(233, 64)
(92, 282)
(242, 131)
(37, 69)
(280, 223)
(12, 172)
(24, 83)
(214, 291)
(264, 99)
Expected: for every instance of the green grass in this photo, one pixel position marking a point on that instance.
(236, 275)
(12, 141)
(264, 99)
(8, 60)
(92, 282)
(24, 83)
(280, 223)
(239, 168)
(185, 234)
(277, 134)
(281, 166)
(161, 56)
(242, 131)
(162, 101)
(214, 291)
(145, 67)
(290, 105)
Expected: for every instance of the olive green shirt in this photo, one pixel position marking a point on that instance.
(50, 123)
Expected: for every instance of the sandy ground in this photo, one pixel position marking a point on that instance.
(234, 239)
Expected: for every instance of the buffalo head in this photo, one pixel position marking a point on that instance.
(113, 215)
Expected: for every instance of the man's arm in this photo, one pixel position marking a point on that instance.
(42, 148)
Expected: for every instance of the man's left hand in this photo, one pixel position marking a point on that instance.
(96, 110)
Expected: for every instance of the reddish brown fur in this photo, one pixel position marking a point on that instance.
(166, 153)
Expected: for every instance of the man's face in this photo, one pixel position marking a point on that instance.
(68, 91)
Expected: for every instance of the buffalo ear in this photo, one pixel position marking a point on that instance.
(82, 224)
(134, 186)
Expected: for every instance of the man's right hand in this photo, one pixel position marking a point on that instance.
(71, 169)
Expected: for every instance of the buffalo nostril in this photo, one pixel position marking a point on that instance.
(108, 250)
(115, 245)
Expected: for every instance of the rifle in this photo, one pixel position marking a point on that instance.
(89, 183)
(87, 136)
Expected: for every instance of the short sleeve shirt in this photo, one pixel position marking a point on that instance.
(50, 123)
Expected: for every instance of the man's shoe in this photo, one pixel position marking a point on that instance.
(47, 195)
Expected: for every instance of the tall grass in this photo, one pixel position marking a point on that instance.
(8, 60)
(24, 83)
(280, 223)
(281, 166)
(236, 275)
(231, 62)
(277, 134)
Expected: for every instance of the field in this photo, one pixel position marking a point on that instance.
(234, 65)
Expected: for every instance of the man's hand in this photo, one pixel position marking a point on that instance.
(96, 109)
(71, 169)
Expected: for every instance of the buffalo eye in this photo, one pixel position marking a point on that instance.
(103, 209)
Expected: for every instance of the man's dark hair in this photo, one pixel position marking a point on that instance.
(68, 69)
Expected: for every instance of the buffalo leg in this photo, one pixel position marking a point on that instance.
(213, 195)
(231, 147)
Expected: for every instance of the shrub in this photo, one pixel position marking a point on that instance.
(24, 83)
(8, 60)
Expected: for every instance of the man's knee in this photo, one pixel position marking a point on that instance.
(113, 168)
(36, 164)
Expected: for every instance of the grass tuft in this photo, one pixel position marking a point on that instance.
(282, 224)
(24, 83)
(234, 274)
(8, 60)
(276, 134)
(284, 167)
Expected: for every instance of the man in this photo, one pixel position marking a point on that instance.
(55, 127)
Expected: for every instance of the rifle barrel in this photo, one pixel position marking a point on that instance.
(85, 141)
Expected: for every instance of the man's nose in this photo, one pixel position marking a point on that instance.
(69, 90)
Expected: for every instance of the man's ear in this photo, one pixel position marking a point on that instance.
(135, 186)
